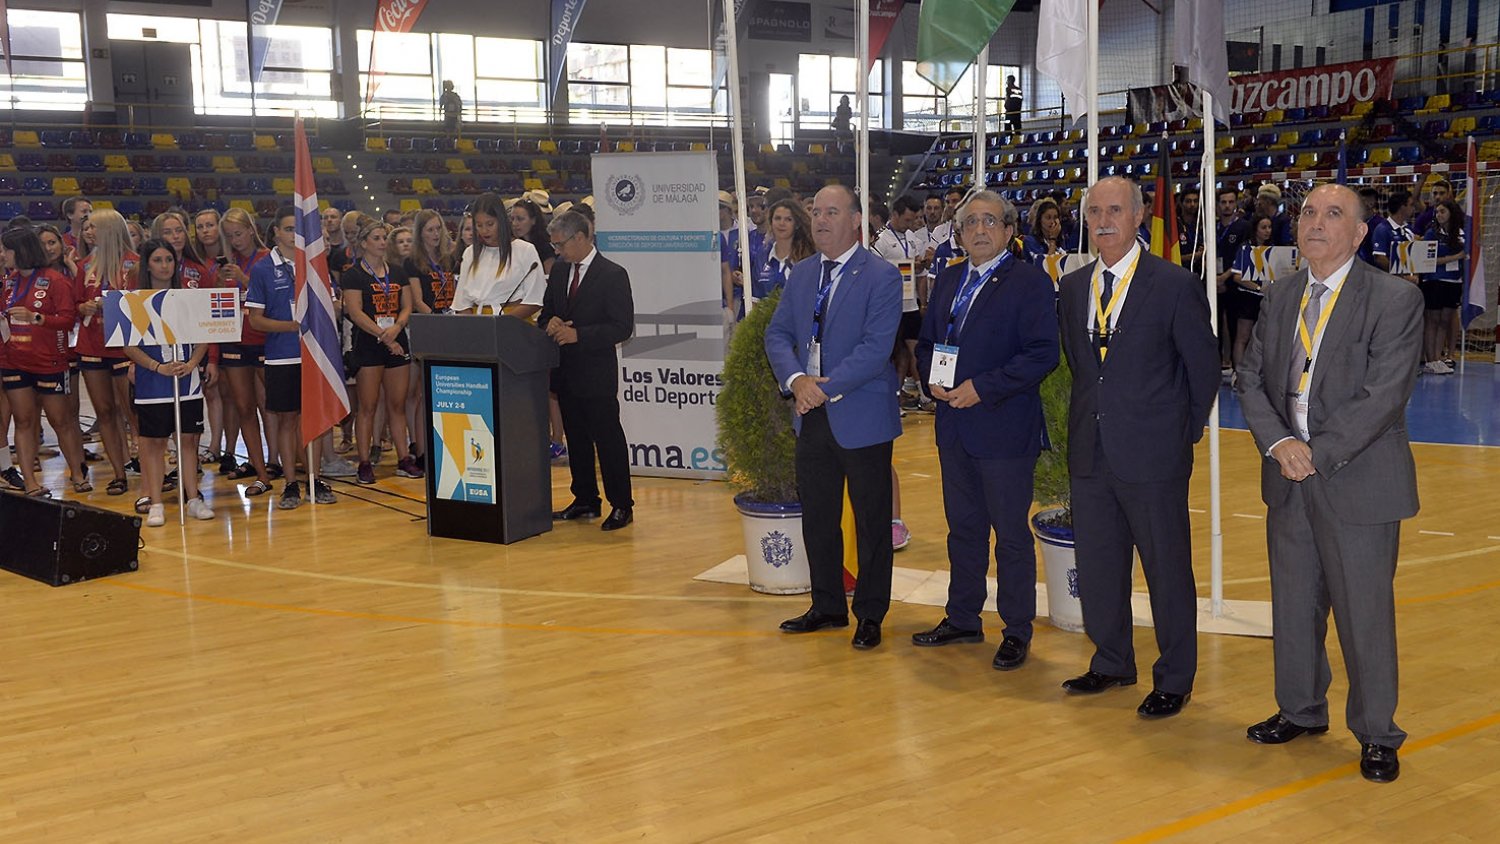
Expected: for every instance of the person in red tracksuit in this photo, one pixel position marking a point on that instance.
(111, 266)
(243, 364)
(39, 313)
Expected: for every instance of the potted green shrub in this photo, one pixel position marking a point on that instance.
(1053, 525)
(759, 446)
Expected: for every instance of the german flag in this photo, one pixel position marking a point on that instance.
(1164, 233)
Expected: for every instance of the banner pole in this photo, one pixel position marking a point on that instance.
(171, 352)
(1208, 211)
(981, 118)
(862, 90)
(737, 138)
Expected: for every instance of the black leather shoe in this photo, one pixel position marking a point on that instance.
(945, 634)
(813, 621)
(1011, 654)
(1278, 730)
(866, 635)
(1160, 704)
(618, 517)
(1092, 683)
(576, 510)
(1378, 763)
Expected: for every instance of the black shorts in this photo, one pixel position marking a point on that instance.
(369, 351)
(50, 383)
(114, 366)
(240, 354)
(157, 422)
(1441, 295)
(911, 326)
(284, 387)
(1246, 305)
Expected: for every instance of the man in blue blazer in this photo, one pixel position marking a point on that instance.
(830, 344)
(989, 338)
(1145, 364)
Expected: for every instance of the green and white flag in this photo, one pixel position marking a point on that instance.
(950, 34)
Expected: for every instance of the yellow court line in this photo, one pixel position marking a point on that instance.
(446, 622)
(484, 590)
(1271, 795)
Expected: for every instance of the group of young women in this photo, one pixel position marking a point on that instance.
(52, 336)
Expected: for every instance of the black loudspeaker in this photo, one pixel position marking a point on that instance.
(62, 542)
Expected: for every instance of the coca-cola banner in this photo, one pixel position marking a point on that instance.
(390, 16)
(1329, 85)
(883, 15)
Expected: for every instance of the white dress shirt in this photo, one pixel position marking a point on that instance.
(833, 289)
(487, 285)
(1118, 269)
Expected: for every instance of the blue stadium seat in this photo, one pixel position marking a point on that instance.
(55, 139)
(30, 162)
(121, 185)
(8, 187)
(242, 141)
(1407, 155)
(190, 141)
(10, 209)
(130, 207)
(200, 164)
(137, 140)
(150, 185)
(41, 211)
(36, 186)
(88, 163)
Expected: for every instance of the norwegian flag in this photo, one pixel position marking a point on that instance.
(224, 304)
(324, 399)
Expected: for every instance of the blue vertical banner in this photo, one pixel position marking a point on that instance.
(260, 14)
(565, 14)
(463, 427)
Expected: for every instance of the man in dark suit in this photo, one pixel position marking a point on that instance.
(988, 340)
(1324, 385)
(588, 311)
(1145, 366)
(829, 344)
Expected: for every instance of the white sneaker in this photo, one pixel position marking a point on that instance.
(1436, 367)
(199, 509)
(156, 516)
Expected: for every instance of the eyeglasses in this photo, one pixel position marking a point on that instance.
(989, 221)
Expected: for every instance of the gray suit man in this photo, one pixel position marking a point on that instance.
(1324, 386)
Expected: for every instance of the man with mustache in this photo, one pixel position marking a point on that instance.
(1145, 364)
(1324, 385)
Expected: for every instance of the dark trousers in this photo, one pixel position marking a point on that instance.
(1111, 518)
(1319, 561)
(980, 496)
(593, 423)
(822, 467)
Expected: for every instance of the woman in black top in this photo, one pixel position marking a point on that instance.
(526, 223)
(377, 300)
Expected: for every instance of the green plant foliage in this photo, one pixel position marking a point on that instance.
(1051, 477)
(755, 422)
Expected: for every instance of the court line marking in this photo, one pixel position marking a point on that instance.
(1415, 561)
(1247, 515)
(485, 590)
(1437, 532)
(444, 622)
(1271, 795)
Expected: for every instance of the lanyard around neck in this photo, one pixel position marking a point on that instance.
(1102, 310)
(1310, 341)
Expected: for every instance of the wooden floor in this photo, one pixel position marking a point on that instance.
(332, 674)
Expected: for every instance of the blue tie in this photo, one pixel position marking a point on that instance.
(968, 288)
(828, 268)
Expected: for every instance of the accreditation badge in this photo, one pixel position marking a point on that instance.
(944, 365)
(815, 359)
(908, 279)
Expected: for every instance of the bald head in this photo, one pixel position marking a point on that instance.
(1330, 228)
(1113, 211)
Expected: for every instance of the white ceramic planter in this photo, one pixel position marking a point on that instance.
(1064, 610)
(774, 552)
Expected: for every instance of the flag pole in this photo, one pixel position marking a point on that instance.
(171, 352)
(1091, 102)
(981, 118)
(737, 137)
(862, 90)
(1207, 211)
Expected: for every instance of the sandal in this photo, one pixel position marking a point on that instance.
(169, 483)
(241, 472)
(260, 487)
(275, 471)
(143, 505)
(118, 486)
(83, 486)
(206, 457)
(39, 492)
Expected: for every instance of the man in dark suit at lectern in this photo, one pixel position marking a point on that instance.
(588, 311)
(1145, 364)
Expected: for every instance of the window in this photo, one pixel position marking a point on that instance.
(404, 89)
(47, 66)
(298, 75)
(498, 79)
(642, 84)
(510, 80)
(822, 81)
(925, 108)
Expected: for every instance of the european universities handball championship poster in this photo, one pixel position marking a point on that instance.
(463, 426)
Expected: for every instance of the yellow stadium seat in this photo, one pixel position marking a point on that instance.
(410, 205)
(225, 164)
(179, 186)
(1286, 139)
(163, 140)
(101, 204)
(324, 205)
(323, 165)
(1272, 117)
(284, 186)
(532, 184)
(466, 146)
(1362, 108)
(541, 165)
(629, 146)
(7, 164)
(65, 186)
(814, 149)
(24, 138)
(783, 182)
(245, 204)
(1379, 155)
(1435, 103)
(456, 165)
(1461, 127)
(423, 186)
(699, 146)
(116, 164)
(1307, 161)
(265, 143)
(547, 147)
(375, 144)
(1222, 142)
(767, 149)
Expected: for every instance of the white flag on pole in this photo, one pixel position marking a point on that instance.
(1200, 47)
(1061, 50)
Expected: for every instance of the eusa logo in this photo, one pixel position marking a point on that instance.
(626, 194)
